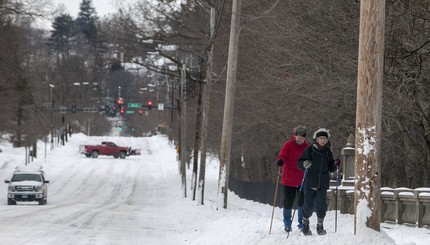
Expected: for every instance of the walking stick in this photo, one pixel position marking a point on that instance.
(335, 204)
(300, 192)
(274, 199)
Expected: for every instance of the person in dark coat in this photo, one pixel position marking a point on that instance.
(318, 161)
(291, 175)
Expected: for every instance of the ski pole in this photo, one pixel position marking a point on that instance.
(335, 204)
(298, 199)
(274, 199)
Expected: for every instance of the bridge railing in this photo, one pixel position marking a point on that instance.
(403, 206)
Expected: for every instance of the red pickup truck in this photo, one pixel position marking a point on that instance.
(109, 149)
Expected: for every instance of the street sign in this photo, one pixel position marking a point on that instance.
(134, 105)
(160, 106)
(129, 112)
(91, 109)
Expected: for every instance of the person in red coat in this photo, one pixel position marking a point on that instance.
(292, 176)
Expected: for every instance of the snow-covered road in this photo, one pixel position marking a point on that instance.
(96, 201)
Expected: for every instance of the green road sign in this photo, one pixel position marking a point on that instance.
(134, 105)
(129, 112)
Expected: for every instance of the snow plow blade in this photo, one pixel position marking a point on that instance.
(134, 152)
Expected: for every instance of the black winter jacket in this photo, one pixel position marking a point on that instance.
(317, 175)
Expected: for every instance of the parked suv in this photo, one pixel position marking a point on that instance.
(27, 185)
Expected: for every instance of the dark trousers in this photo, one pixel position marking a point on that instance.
(290, 195)
(315, 200)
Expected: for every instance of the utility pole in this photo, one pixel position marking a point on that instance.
(199, 115)
(89, 126)
(227, 128)
(172, 101)
(197, 139)
(18, 140)
(183, 129)
(52, 116)
(205, 113)
(367, 199)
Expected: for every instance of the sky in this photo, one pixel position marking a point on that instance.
(138, 200)
(103, 7)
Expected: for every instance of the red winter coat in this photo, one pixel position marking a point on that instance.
(290, 153)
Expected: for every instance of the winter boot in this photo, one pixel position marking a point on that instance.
(320, 227)
(306, 231)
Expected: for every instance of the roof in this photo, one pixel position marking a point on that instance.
(29, 169)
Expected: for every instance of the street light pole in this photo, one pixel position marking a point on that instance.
(52, 102)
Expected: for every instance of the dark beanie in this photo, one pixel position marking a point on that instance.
(322, 133)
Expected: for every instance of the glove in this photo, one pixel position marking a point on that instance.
(280, 162)
(307, 164)
(338, 162)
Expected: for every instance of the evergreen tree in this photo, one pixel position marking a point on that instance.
(61, 34)
(86, 21)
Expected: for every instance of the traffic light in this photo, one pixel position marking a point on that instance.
(149, 105)
(140, 112)
(122, 110)
(119, 105)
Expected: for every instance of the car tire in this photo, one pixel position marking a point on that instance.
(122, 155)
(87, 155)
(94, 154)
(11, 202)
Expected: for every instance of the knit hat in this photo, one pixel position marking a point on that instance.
(300, 131)
(321, 132)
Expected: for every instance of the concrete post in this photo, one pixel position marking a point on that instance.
(348, 160)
